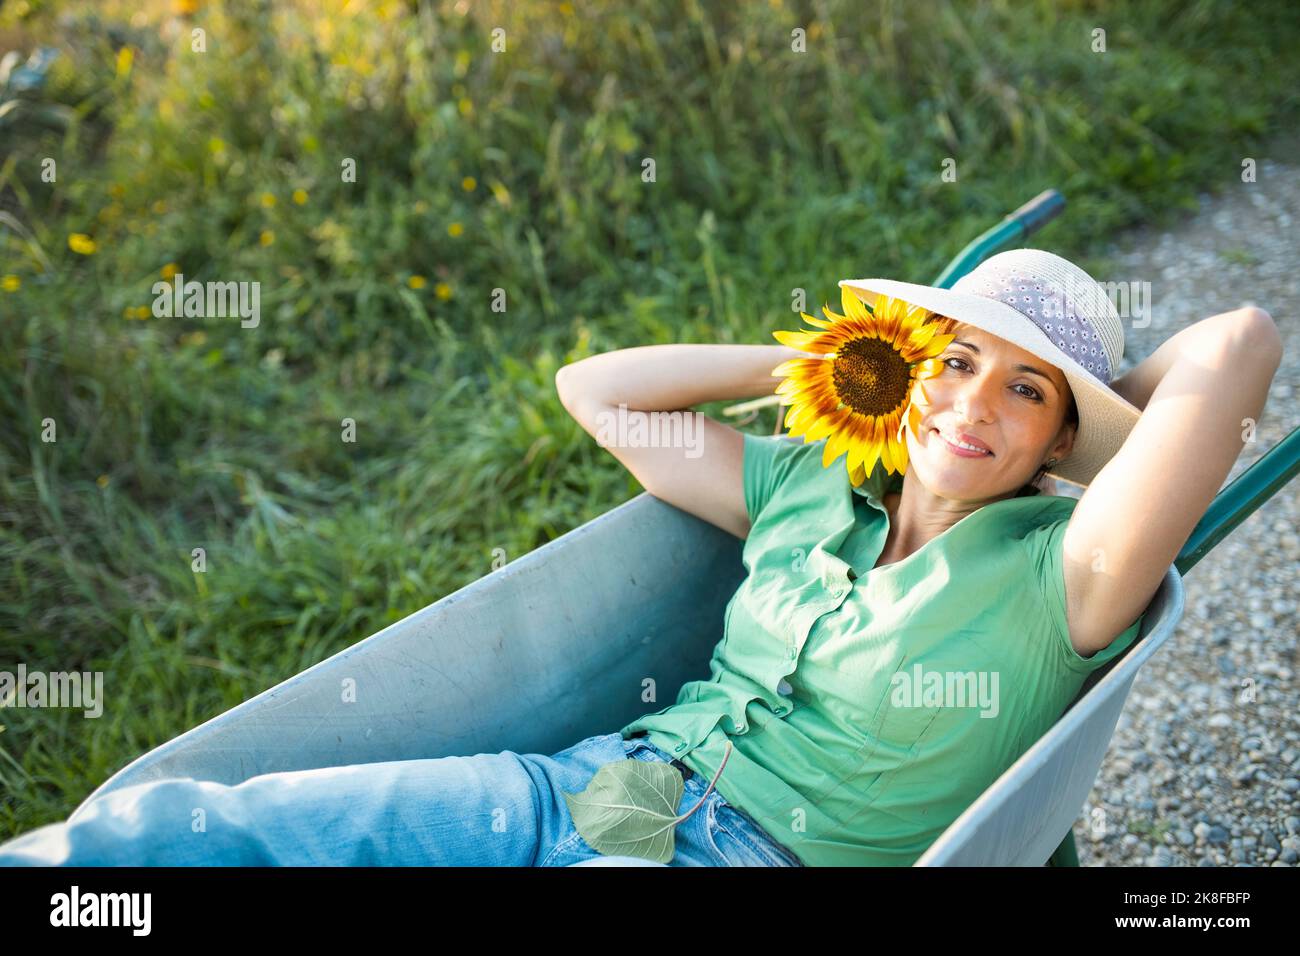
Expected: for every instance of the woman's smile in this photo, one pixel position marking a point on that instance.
(961, 451)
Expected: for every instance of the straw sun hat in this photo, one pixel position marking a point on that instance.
(1056, 311)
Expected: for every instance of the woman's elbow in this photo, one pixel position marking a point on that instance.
(1259, 332)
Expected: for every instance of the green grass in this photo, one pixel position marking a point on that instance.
(774, 171)
(1241, 257)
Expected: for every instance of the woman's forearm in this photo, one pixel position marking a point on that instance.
(1195, 341)
(671, 377)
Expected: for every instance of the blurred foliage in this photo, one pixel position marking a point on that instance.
(479, 174)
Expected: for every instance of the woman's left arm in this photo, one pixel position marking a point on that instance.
(1201, 393)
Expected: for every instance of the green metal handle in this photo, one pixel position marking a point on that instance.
(1231, 506)
(1018, 225)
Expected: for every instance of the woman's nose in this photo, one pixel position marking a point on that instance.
(971, 402)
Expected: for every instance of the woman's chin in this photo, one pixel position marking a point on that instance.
(951, 476)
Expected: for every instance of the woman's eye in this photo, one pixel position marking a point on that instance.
(1032, 393)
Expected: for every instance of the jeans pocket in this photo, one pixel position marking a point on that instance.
(638, 748)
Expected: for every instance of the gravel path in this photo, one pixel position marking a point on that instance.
(1193, 776)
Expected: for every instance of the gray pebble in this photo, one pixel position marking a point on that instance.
(1163, 857)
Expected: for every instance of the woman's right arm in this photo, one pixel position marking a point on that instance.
(636, 403)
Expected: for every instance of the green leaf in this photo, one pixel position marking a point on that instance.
(629, 809)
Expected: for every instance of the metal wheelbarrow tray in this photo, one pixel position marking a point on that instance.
(642, 590)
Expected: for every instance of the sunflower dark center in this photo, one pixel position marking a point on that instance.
(870, 376)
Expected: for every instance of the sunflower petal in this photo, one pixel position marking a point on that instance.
(853, 305)
(829, 424)
(869, 463)
(839, 442)
(804, 415)
(803, 341)
(856, 439)
(900, 456)
(887, 446)
(799, 366)
(882, 444)
(829, 454)
(812, 320)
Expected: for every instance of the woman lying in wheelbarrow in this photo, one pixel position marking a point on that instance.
(912, 620)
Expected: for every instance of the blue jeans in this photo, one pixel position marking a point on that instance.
(500, 809)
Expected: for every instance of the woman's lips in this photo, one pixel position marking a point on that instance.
(958, 450)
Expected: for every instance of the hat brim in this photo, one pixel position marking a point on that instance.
(1105, 417)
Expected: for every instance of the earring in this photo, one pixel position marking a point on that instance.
(1051, 463)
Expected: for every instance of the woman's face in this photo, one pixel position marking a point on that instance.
(982, 393)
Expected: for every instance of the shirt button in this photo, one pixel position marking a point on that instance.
(791, 653)
(679, 748)
(740, 728)
(783, 687)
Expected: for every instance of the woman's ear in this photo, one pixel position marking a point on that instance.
(1065, 442)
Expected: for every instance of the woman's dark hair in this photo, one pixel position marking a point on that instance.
(1031, 489)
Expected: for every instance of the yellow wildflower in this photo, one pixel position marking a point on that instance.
(267, 237)
(455, 229)
(442, 290)
(81, 243)
(416, 282)
(10, 283)
(300, 196)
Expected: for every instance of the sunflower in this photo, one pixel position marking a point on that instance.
(859, 391)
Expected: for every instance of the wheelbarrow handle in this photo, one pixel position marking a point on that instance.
(1014, 227)
(1039, 211)
(1265, 477)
